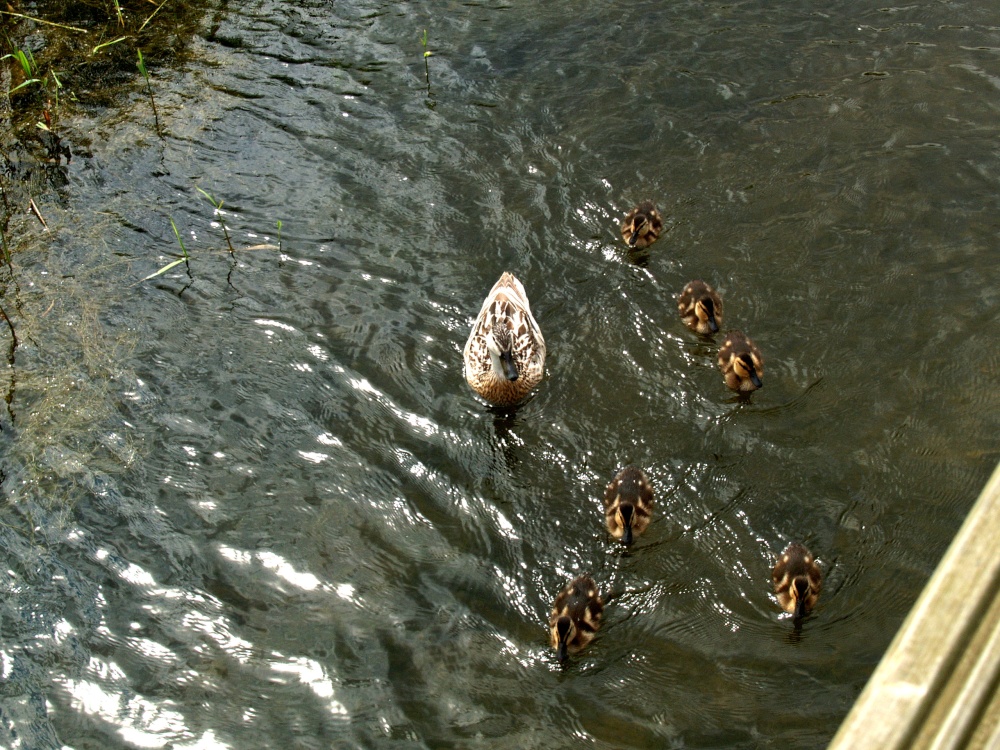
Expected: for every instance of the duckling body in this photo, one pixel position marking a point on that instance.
(505, 353)
(642, 226)
(576, 616)
(741, 363)
(797, 580)
(700, 307)
(628, 504)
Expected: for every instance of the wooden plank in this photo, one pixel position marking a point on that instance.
(936, 687)
(961, 704)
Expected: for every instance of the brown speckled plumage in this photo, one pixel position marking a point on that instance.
(576, 616)
(741, 363)
(797, 580)
(642, 226)
(505, 341)
(628, 504)
(700, 307)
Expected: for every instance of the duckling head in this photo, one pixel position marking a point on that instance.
(500, 344)
(800, 594)
(563, 632)
(638, 224)
(625, 515)
(744, 368)
(705, 310)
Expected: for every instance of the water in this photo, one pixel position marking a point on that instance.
(255, 504)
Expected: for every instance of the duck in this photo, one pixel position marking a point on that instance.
(797, 580)
(642, 226)
(505, 353)
(576, 616)
(700, 307)
(741, 363)
(628, 504)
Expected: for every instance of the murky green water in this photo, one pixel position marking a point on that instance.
(254, 505)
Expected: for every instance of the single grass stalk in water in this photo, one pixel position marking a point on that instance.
(55, 79)
(118, 10)
(183, 259)
(40, 20)
(222, 219)
(158, 9)
(180, 241)
(279, 236)
(427, 67)
(102, 45)
(145, 74)
(38, 214)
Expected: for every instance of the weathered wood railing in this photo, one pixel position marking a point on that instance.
(938, 685)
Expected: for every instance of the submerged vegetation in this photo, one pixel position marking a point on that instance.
(60, 59)
(63, 62)
(141, 64)
(60, 56)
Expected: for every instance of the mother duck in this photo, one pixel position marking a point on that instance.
(505, 353)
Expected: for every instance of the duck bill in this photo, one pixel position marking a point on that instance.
(713, 326)
(634, 238)
(800, 610)
(627, 535)
(562, 654)
(509, 368)
(755, 379)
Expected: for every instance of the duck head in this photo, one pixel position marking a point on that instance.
(565, 631)
(744, 368)
(626, 515)
(800, 594)
(705, 310)
(500, 344)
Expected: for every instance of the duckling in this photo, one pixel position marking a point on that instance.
(741, 363)
(505, 353)
(628, 504)
(797, 580)
(576, 616)
(700, 307)
(642, 226)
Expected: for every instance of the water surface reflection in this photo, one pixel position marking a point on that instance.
(281, 519)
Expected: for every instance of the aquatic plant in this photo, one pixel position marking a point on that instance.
(41, 21)
(222, 222)
(58, 85)
(102, 45)
(185, 256)
(28, 65)
(427, 67)
(180, 240)
(183, 259)
(141, 64)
